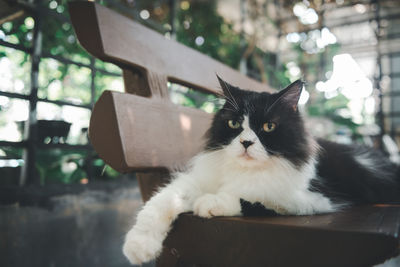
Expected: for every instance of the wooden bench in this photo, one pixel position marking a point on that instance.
(142, 131)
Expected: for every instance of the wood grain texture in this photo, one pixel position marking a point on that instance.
(349, 238)
(84, 20)
(104, 133)
(135, 133)
(115, 38)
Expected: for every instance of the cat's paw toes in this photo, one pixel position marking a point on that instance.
(140, 247)
(210, 205)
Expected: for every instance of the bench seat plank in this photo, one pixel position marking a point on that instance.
(360, 236)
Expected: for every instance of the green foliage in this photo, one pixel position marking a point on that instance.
(201, 20)
(185, 96)
(57, 81)
(328, 108)
(18, 32)
(276, 76)
(58, 166)
(70, 166)
(61, 81)
(12, 152)
(59, 36)
(19, 68)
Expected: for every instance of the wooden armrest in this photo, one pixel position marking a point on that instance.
(360, 236)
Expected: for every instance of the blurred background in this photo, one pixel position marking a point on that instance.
(51, 180)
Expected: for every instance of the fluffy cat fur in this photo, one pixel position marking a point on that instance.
(259, 160)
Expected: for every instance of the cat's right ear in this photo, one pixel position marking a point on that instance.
(228, 90)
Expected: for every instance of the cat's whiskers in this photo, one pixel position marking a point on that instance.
(227, 88)
(218, 102)
(225, 108)
(236, 109)
(232, 103)
(274, 153)
(270, 151)
(229, 91)
(229, 100)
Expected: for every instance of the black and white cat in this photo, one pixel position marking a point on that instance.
(259, 154)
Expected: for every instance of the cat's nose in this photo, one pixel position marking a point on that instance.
(246, 143)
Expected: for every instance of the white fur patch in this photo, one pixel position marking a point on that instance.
(214, 185)
(221, 204)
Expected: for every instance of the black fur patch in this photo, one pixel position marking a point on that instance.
(255, 209)
(343, 179)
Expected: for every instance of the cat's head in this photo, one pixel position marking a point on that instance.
(255, 127)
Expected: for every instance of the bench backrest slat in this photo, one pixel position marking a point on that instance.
(113, 37)
(135, 133)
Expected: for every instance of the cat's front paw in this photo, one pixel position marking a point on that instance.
(140, 247)
(210, 205)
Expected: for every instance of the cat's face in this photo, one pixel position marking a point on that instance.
(255, 127)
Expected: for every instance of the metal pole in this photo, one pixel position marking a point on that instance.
(172, 19)
(29, 173)
(278, 24)
(243, 61)
(321, 69)
(90, 156)
(92, 82)
(378, 78)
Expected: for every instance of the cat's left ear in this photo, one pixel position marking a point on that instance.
(291, 94)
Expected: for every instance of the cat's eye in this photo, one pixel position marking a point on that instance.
(269, 127)
(233, 124)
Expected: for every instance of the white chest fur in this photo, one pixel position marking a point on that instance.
(277, 184)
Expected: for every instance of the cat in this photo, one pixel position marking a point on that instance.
(260, 159)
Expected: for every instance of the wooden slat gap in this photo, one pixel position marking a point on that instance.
(135, 82)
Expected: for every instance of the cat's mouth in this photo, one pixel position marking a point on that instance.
(246, 156)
